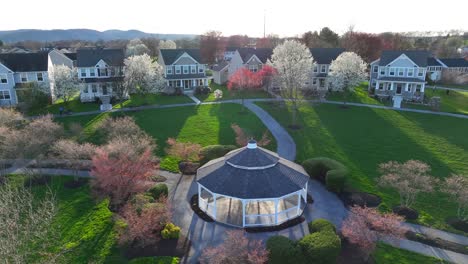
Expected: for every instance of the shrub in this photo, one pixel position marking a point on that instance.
(159, 189)
(320, 225)
(202, 90)
(214, 151)
(283, 250)
(155, 260)
(321, 247)
(170, 231)
(328, 171)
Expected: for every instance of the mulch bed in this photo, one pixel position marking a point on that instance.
(407, 213)
(188, 168)
(165, 247)
(284, 225)
(196, 209)
(437, 242)
(360, 198)
(458, 224)
(75, 183)
(158, 178)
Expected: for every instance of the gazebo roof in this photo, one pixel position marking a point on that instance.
(252, 173)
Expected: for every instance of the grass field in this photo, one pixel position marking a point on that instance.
(453, 102)
(362, 138)
(205, 124)
(359, 95)
(385, 254)
(153, 99)
(228, 95)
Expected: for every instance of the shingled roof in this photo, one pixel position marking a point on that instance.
(263, 54)
(455, 63)
(25, 62)
(420, 57)
(252, 173)
(325, 55)
(89, 57)
(171, 55)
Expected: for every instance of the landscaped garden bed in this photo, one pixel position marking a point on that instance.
(437, 242)
(287, 224)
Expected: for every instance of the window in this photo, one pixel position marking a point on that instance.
(24, 77)
(83, 72)
(253, 68)
(382, 71)
(322, 82)
(40, 77)
(200, 69)
(420, 73)
(374, 83)
(323, 69)
(315, 68)
(401, 72)
(193, 69)
(94, 88)
(169, 70)
(5, 95)
(92, 72)
(85, 89)
(177, 69)
(375, 68)
(186, 69)
(410, 72)
(392, 72)
(381, 85)
(3, 78)
(314, 81)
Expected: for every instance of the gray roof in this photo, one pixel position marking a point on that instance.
(400, 79)
(252, 173)
(25, 62)
(171, 55)
(420, 57)
(220, 66)
(455, 63)
(325, 55)
(433, 62)
(89, 57)
(184, 76)
(263, 54)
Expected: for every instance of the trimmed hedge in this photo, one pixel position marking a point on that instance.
(214, 151)
(321, 247)
(159, 189)
(283, 250)
(320, 225)
(170, 231)
(328, 171)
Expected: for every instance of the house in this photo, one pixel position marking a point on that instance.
(220, 72)
(183, 68)
(20, 70)
(400, 73)
(229, 53)
(98, 69)
(323, 57)
(250, 58)
(434, 68)
(455, 65)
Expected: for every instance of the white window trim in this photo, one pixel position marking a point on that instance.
(402, 71)
(178, 69)
(37, 76)
(83, 70)
(253, 68)
(3, 76)
(392, 70)
(26, 77)
(375, 69)
(92, 70)
(185, 67)
(410, 70)
(2, 95)
(420, 73)
(315, 68)
(201, 69)
(193, 69)
(323, 69)
(169, 70)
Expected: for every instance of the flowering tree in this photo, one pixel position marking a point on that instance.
(10, 117)
(143, 75)
(65, 83)
(218, 94)
(409, 179)
(365, 226)
(136, 47)
(347, 72)
(76, 154)
(120, 174)
(242, 138)
(144, 226)
(293, 62)
(266, 75)
(236, 249)
(457, 187)
(167, 44)
(243, 80)
(184, 150)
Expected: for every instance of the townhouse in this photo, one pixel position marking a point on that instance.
(323, 57)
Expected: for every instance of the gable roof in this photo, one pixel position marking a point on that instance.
(455, 63)
(171, 55)
(89, 57)
(220, 66)
(420, 57)
(433, 62)
(325, 55)
(71, 55)
(25, 62)
(263, 54)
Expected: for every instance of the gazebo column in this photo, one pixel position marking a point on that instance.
(276, 211)
(214, 204)
(298, 202)
(243, 213)
(199, 194)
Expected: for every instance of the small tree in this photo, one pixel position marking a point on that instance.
(65, 83)
(243, 80)
(266, 75)
(143, 75)
(457, 187)
(242, 138)
(186, 151)
(76, 154)
(143, 227)
(236, 248)
(365, 226)
(136, 47)
(120, 174)
(409, 179)
(293, 62)
(347, 72)
(10, 117)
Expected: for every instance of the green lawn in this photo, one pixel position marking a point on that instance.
(359, 95)
(363, 137)
(85, 226)
(204, 124)
(458, 86)
(74, 105)
(454, 102)
(385, 254)
(153, 99)
(228, 95)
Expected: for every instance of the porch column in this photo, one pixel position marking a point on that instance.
(194, 83)
(205, 81)
(391, 86)
(377, 83)
(423, 86)
(199, 194)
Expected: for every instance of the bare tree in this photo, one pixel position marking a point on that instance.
(10, 117)
(457, 187)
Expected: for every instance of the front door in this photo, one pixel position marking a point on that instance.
(186, 84)
(399, 87)
(104, 89)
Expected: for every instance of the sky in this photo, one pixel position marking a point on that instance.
(285, 18)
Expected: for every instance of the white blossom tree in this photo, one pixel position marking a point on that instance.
(143, 75)
(293, 63)
(457, 187)
(346, 72)
(136, 47)
(167, 44)
(65, 83)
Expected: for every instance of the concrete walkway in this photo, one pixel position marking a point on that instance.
(436, 233)
(194, 99)
(441, 87)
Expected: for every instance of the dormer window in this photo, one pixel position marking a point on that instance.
(253, 68)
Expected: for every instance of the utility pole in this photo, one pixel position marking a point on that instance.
(264, 23)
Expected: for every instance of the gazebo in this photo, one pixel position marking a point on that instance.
(252, 186)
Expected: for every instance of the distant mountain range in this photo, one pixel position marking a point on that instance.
(80, 34)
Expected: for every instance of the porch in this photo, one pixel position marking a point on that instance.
(410, 91)
(188, 84)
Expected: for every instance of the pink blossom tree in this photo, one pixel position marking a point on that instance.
(243, 80)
